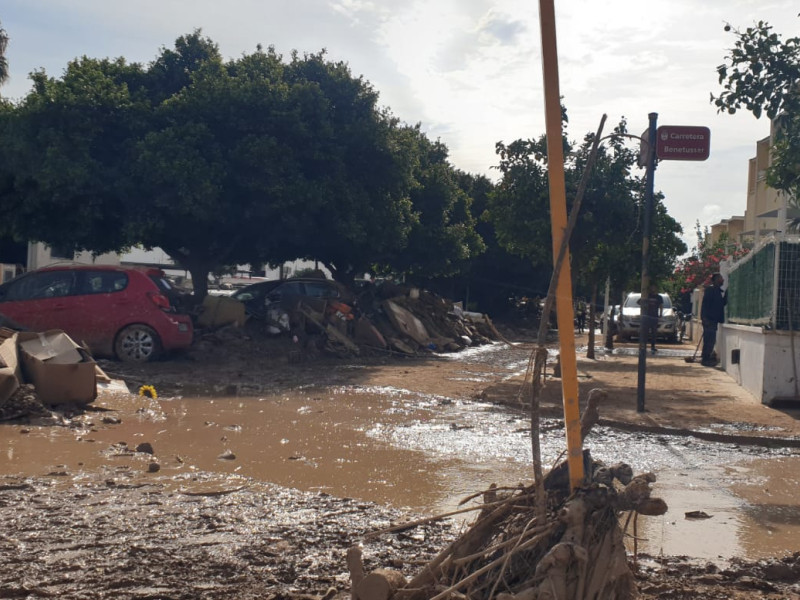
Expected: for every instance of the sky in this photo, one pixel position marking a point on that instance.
(468, 71)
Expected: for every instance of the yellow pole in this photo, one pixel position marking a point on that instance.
(558, 220)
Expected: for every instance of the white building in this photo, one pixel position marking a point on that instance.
(41, 255)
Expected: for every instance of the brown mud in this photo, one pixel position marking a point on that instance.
(103, 522)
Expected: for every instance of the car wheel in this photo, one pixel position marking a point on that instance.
(137, 343)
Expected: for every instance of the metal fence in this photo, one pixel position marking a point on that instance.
(764, 287)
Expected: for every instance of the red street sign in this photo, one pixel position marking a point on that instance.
(683, 142)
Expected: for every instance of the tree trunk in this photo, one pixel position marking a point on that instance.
(198, 267)
(590, 349)
(199, 280)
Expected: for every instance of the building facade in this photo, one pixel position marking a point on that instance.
(758, 345)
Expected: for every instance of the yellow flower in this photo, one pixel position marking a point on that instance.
(148, 390)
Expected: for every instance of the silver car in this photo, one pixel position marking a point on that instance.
(630, 319)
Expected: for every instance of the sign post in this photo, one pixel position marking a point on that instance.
(650, 163)
(668, 142)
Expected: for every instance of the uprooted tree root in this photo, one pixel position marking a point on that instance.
(574, 552)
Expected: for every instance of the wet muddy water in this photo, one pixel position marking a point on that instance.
(419, 451)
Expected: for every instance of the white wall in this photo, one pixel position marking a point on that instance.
(765, 368)
(39, 256)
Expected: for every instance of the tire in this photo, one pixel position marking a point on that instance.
(137, 343)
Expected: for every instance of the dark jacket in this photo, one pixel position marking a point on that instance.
(713, 307)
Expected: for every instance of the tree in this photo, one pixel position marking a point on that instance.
(66, 155)
(299, 163)
(359, 172)
(442, 237)
(252, 160)
(606, 241)
(761, 75)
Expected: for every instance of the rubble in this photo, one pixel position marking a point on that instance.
(385, 318)
(568, 549)
(22, 403)
(39, 370)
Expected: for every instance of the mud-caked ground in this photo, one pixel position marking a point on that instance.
(197, 538)
(210, 539)
(137, 533)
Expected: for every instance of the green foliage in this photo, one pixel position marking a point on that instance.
(665, 242)
(607, 238)
(760, 75)
(254, 160)
(66, 152)
(442, 237)
(519, 208)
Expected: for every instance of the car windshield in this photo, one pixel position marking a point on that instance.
(632, 301)
(255, 290)
(164, 286)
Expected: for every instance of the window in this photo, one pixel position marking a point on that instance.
(105, 282)
(632, 300)
(164, 286)
(321, 290)
(47, 284)
(292, 288)
(62, 251)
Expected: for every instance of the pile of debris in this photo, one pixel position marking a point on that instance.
(410, 320)
(386, 318)
(569, 547)
(41, 369)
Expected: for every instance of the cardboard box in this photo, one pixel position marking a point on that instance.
(10, 374)
(61, 371)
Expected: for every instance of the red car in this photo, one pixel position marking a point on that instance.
(116, 311)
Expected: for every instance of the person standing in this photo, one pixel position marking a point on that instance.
(652, 311)
(712, 313)
(581, 314)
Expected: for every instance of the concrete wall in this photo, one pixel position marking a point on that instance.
(766, 366)
(40, 255)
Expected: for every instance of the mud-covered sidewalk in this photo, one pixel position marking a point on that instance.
(681, 398)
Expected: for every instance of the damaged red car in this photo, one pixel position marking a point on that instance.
(115, 311)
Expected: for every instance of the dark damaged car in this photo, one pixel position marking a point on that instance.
(258, 296)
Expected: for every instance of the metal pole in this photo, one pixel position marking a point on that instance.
(605, 307)
(558, 221)
(646, 226)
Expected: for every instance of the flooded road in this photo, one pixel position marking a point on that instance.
(425, 453)
(419, 451)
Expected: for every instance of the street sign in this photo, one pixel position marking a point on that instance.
(675, 142)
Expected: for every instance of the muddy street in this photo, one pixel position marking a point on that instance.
(225, 471)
